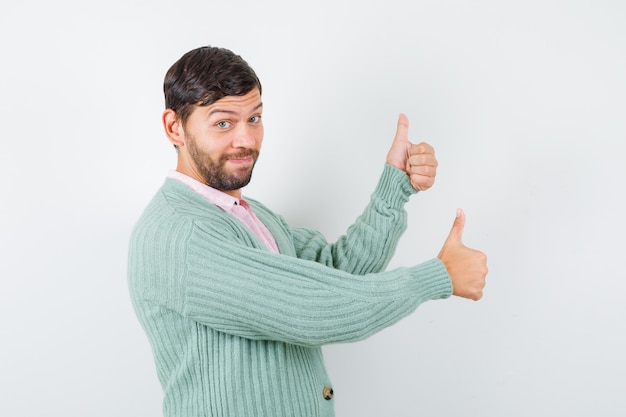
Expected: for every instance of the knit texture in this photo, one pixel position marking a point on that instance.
(237, 330)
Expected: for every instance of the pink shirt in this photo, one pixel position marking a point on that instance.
(237, 207)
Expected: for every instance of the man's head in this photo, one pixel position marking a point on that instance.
(213, 117)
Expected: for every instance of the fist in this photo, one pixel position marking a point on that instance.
(422, 166)
(418, 161)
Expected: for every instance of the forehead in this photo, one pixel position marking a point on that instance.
(248, 103)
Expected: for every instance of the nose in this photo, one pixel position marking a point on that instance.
(245, 136)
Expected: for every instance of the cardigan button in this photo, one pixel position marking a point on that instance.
(327, 392)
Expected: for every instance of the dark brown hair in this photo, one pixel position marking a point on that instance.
(204, 75)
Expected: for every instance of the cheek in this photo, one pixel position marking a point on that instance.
(259, 138)
(203, 150)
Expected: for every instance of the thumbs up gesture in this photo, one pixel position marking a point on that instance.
(418, 161)
(467, 267)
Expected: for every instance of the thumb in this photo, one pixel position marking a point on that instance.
(398, 153)
(456, 234)
(402, 129)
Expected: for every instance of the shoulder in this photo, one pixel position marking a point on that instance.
(173, 210)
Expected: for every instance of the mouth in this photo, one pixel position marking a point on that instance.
(242, 159)
(241, 162)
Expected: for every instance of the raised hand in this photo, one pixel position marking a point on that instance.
(467, 267)
(418, 161)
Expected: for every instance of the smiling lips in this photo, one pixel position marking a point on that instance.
(242, 160)
(243, 157)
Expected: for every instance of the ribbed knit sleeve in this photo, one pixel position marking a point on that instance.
(276, 297)
(371, 241)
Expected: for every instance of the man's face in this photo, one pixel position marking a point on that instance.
(223, 140)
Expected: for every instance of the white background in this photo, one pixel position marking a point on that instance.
(524, 102)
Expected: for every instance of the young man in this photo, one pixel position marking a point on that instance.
(235, 302)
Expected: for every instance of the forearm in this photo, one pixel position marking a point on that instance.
(371, 241)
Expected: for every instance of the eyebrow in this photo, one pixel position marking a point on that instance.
(218, 110)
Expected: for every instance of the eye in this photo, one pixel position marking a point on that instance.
(223, 124)
(255, 119)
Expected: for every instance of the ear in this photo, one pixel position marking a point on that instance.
(173, 128)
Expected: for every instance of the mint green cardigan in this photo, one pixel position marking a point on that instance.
(237, 330)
